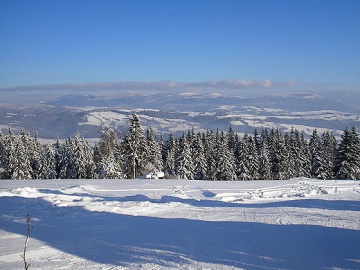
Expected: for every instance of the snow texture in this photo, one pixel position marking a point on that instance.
(176, 224)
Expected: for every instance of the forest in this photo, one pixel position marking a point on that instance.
(210, 155)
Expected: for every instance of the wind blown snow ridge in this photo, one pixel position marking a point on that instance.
(178, 224)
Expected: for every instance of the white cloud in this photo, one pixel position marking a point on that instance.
(266, 83)
(232, 84)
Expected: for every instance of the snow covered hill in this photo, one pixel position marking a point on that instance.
(179, 111)
(177, 224)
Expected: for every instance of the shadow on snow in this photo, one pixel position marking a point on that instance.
(346, 205)
(123, 240)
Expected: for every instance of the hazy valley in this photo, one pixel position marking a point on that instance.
(179, 111)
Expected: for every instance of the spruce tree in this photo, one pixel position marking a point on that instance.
(241, 163)
(299, 163)
(163, 150)
(36, 152)
(108, 155)
(257, 140)
(329, 145)
(84, 167)
(209, 142)
(279, 155)
(67, 162)
(200, 166)
(248, 161)
(2, 154)
(190, 136)
(21, 166)
(231, 139)
(224, 160)
(171, 153)
(355, 152)
(109, 168)
(292, 142)
(318, 162)
(305, 157)
(154, 156)
(347, 164)
(135, 149)
(264, 157)
(49, 168)
(78, 159)
(184, 166)
(58, 158)
(9, 157)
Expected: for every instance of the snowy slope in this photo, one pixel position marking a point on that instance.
(176, 224)
(179, 111)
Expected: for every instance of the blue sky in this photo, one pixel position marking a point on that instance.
(264, 43)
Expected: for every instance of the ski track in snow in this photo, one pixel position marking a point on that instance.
(177, 224)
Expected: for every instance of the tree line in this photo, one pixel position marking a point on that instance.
(210, 155)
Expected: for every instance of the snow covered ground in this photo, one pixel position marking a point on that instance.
(176, 224)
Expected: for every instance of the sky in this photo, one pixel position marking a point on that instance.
(244, 44)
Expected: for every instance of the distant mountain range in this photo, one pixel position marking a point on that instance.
(180, 111)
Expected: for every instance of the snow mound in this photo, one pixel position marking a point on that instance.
(304, 189)
(26, 192)
(301, 189)
(78, 189)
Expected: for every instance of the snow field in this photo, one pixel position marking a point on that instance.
(178, 224)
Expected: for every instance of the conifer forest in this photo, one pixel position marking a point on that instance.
(211, 155)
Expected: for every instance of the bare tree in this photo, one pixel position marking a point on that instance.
(29, 228)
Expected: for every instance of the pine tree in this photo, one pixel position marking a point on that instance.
(135, 149)
(248, 161)
(108, 143)
(184, 163)
(305, 157)
(329, 145)
(163, 150)
(190, 136)
(241, 163)
(347, 165)
(154, 156)
(171, 153)
(9, 157)
(342, 169)
(66, 155)
(225, 161)
(49, 168)
(264, 157)
(36, 152)
(279, 156)
(109, 168)
(74, 159)
(58, 158)
(21, 166)
(231, 139)
(220, 156)
(107, 155)
(253, 158)
(210, 154)
(83, 167)
(298, 154)
(355, 153)
(318, 162)
(200, 166)
(293, 148)
(2, 155)
(257, 140)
